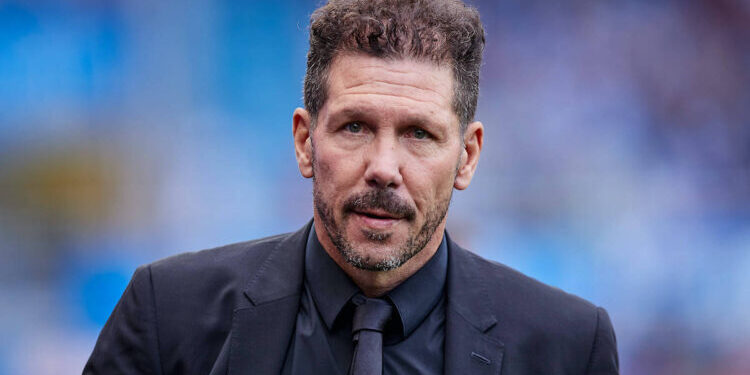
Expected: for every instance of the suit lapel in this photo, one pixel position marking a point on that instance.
(262, 329)
(470, 347)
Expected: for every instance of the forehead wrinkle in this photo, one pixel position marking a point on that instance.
(391, 91)
(419, 75)
(414, 96)
(392, 95)
(387, 85)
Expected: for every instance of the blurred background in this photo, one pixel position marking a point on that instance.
(616, 162)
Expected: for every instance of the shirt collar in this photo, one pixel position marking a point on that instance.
(332, 289)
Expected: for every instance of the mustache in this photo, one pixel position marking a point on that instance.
(380, 199)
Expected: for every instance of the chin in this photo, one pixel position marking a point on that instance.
(378, 254)
(377, 264)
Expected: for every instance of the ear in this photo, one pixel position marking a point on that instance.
(301, 122)
(473, 137)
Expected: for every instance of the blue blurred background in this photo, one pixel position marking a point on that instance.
(616, 162)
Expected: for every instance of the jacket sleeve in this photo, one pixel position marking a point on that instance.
(128, 342)
(603, 359)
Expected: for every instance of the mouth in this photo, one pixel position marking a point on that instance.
(377, 214)
(377, 219)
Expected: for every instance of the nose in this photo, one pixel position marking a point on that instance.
(383, 165)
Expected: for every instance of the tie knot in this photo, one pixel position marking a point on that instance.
(371, 314)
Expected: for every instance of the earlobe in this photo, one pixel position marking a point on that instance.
(301, 122)
(473, 138)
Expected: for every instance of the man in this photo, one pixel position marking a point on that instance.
(373, 284)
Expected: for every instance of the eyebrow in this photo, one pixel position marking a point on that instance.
(365, 114)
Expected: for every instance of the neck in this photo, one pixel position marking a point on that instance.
(378, 283)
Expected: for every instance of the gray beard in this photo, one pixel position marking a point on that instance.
(414, 244)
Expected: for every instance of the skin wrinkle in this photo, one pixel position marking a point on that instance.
(388, 83)
(431, 80)
(394, 95)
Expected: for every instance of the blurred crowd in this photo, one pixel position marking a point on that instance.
(616, 163)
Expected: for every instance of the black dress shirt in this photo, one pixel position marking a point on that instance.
(413, 340)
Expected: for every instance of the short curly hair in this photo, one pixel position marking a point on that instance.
(440, 31)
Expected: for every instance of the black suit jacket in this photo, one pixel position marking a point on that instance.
(232, 310)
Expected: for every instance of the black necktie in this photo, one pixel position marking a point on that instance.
(370, 318)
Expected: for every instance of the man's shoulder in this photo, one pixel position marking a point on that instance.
(516, 298)
(505, 277)
(235, 255)
(223, 272)
(541, 326)
(188, 301)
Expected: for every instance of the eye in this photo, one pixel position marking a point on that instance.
(353, 127)
(420, 134)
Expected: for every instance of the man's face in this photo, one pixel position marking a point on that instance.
(385, 153)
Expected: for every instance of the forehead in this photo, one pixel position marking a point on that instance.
(357, 81)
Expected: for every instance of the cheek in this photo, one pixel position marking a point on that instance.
(323, 160)
(321, 167)
(336, 171)
(431, 184)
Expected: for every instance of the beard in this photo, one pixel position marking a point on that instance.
(385, 200)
